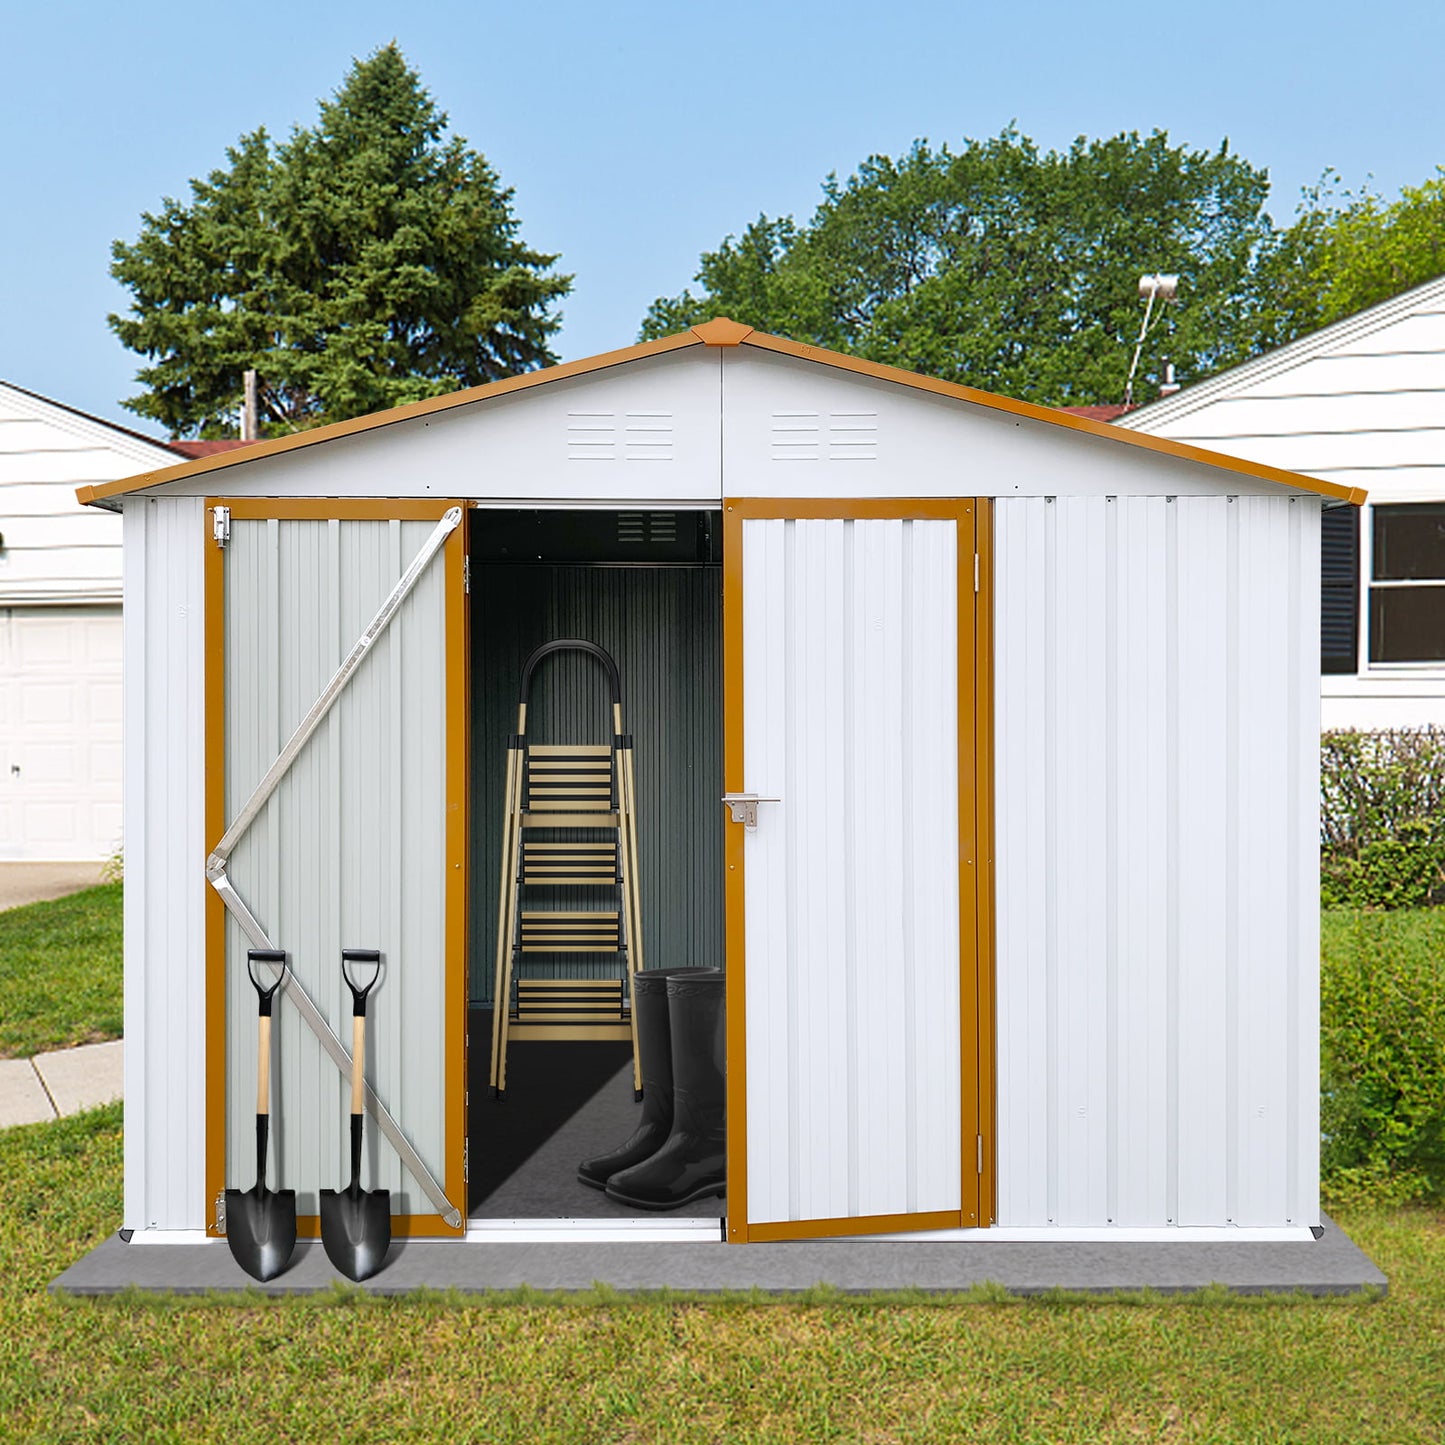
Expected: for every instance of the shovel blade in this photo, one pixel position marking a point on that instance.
(356, 1229)
(261, 1229)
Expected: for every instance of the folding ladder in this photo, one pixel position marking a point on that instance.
(569, 822)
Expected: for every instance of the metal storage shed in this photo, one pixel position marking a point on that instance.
(1028, 942)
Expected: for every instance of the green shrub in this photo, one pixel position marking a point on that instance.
(1382, 819)
(1382, 1056)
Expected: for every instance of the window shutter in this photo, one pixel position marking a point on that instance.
(1339, 589)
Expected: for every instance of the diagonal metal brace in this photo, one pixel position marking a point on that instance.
(236, 906)
(323, 704)
(313, 1016)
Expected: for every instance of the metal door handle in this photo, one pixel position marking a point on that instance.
(745, 808)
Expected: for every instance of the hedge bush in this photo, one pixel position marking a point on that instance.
(1382, 1056)
(1382, 818)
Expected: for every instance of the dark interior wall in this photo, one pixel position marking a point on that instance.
(663, 625)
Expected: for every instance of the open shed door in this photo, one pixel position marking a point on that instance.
(336, 761)
(853, 1069)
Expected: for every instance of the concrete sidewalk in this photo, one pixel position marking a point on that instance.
(22, 883)
(50, 1086)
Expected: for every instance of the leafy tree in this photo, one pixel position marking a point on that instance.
(366, 262)
(1002, 266)
(1348, 250)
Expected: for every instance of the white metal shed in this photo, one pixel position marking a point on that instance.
(1028, 942)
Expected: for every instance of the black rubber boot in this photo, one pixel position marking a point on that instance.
(692, 1163)
(654, 1047)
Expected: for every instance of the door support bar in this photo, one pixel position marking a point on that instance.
(236, 907)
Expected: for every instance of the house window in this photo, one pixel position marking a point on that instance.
(1407, 583)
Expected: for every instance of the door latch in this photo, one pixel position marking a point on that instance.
(221, 525)
(745, 808)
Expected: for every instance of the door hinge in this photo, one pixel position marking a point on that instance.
(221, 525)
(975, 571)
(466, 1161)
(980, 1153)
(466, 574)
(221, 1212)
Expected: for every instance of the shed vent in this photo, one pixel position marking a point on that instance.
(837, 436)
(640, 436)
(642, 528)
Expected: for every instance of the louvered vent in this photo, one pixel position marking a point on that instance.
(837, 436)
(1339, 589)
(647, 528)
(641, 436)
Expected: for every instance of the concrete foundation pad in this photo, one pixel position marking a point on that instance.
(23, 1099)
(84, 1077)
(1331, 1265)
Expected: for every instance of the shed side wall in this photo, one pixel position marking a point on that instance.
(1156, 710)
(165, 856)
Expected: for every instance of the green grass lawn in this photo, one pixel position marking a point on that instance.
(60, 972)
(350, 1368)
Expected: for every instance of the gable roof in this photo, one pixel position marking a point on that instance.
(718, 332)
(82, 423)
(1335, 337)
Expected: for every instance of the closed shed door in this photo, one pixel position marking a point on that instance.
(359, 846)
(59, 733)
(852, 1052)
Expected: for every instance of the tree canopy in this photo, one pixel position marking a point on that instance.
(1351, 249)
(368, 261)
(1003, 266)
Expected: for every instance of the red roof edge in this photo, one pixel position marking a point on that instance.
(192, 450)
(1108, 411)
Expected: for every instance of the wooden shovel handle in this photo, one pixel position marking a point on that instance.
(358, 1061)
(263, 1067)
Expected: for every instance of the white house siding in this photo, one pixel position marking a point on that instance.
(60, 630)
(1361, 403)
(1155, 685)
(165, 885)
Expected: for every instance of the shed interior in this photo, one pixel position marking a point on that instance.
(646, 586)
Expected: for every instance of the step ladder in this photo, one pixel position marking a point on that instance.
(569, 821)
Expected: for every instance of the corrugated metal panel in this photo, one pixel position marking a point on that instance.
(663, 628)
(165, 850)
(1156, 707)
(850, 717)
(349, 852)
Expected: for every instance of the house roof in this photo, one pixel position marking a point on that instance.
(1107, 411)
(1429, 297)
(88, 419)
(208, 448)
(718, 332)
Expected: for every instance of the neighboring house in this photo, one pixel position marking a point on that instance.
(1361, 403)
(60, 629)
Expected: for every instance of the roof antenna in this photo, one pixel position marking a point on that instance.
(1157, 287)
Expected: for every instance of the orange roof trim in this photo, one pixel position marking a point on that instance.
(721, 331)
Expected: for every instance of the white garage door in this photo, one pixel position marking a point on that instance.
(59, 733)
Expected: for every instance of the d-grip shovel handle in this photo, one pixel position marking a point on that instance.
(276, 957)
(358, 1016)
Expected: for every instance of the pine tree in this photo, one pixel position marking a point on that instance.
(368, 261)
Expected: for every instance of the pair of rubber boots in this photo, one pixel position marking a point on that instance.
(678, 1152)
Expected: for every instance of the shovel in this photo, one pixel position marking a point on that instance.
(261, 1222)
(356, 1222)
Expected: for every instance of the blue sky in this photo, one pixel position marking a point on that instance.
(636, 135)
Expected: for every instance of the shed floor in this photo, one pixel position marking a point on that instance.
(1331, 1265)
(565, 1102)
